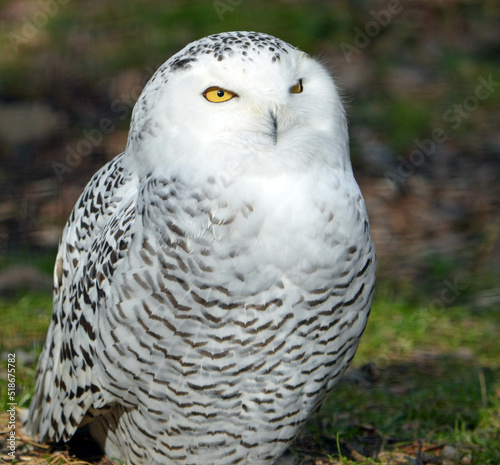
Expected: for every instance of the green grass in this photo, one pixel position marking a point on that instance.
(435, 399)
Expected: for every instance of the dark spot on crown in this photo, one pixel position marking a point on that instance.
(181, 63)
(224, 45)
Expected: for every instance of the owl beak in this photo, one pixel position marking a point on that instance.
(274, 126)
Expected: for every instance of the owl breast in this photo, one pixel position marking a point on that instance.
(247, 308)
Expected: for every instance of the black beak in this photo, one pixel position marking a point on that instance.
(274, 127)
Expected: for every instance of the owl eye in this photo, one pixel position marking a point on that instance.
(297, 88)
(217, 95)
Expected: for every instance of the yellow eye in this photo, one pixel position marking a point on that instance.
(297, 88)
(217, 95)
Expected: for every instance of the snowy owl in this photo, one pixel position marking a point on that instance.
(213, 281)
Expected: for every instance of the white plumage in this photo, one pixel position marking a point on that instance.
(213, 281)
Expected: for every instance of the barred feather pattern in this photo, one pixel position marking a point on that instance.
(172, 351)
(203, 319)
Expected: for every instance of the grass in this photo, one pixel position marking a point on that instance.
(425, 382)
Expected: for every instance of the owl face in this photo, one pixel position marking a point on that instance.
(244, 99)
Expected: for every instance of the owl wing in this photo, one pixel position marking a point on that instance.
(96, 237)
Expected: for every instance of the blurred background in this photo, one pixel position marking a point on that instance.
(421, 84)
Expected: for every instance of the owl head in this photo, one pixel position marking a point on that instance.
(242, 99)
